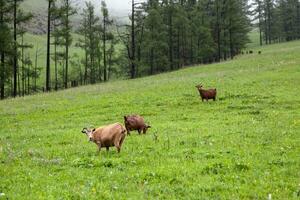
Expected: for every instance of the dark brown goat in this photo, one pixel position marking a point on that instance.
(207, 94)
(135, 122)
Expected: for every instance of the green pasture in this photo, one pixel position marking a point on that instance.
(246, 145)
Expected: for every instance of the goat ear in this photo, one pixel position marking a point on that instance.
(125, 118)
(148, 126)
(94, 129)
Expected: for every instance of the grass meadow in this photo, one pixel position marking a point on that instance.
(246, 145)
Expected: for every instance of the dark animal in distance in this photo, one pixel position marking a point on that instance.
(259, 52)
(107, 136)
(207, 94)
(135, 122)
(250, 52)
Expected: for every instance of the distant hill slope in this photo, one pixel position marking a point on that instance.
(38, 8)
(38, 25)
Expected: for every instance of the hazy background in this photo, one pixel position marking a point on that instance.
(119, 8)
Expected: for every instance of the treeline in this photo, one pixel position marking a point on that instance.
(95, 38)
(166, 35)
(162, 35)
(16, 67)
(278, 20)
(19, 73)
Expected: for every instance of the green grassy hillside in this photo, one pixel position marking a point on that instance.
(40, 42)
(243, 146)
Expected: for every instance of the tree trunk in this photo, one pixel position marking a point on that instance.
(55, 64)
(104, 49)
(139, 58)
(67, 47)
(232, 54)
(178, 48)
(2, 79)
(298, 20)
(259, 24)
(86, 59)
(266, 30)
(218, 34)
(2, 68)
(269, 24)
(260, 34)
(48, 87)
(15, 59)
(110, 59)
(28, 80)
(198, 50)
(171, 40)
(191, 50)
(132, 41)
(23, 70)
(19, 83)
(99, 66)
(139, 52)
(35, 68)
(151, 61)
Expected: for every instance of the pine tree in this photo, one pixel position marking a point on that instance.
(170, 10)
(66, 12)
(36, 71)
(106, 35)
(58, 39)
(5, 44)
(237, 25)
(111, 59)
(205, 44)
(181, 29)
(19, 18)
(258, 13)
(49, 17)
(155, 39)
(89, 29)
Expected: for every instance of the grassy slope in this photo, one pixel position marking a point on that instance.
(254, 39)
(40, 42)
(243, 146)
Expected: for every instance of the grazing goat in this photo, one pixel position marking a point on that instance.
(207, 94)
(135, 122)
(259, 52)
(107, 136)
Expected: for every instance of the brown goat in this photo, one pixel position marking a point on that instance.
(207, 94)
(135, 122)
(107, 136)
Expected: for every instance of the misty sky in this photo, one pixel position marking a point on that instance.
(118, 4)
(119, 7)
